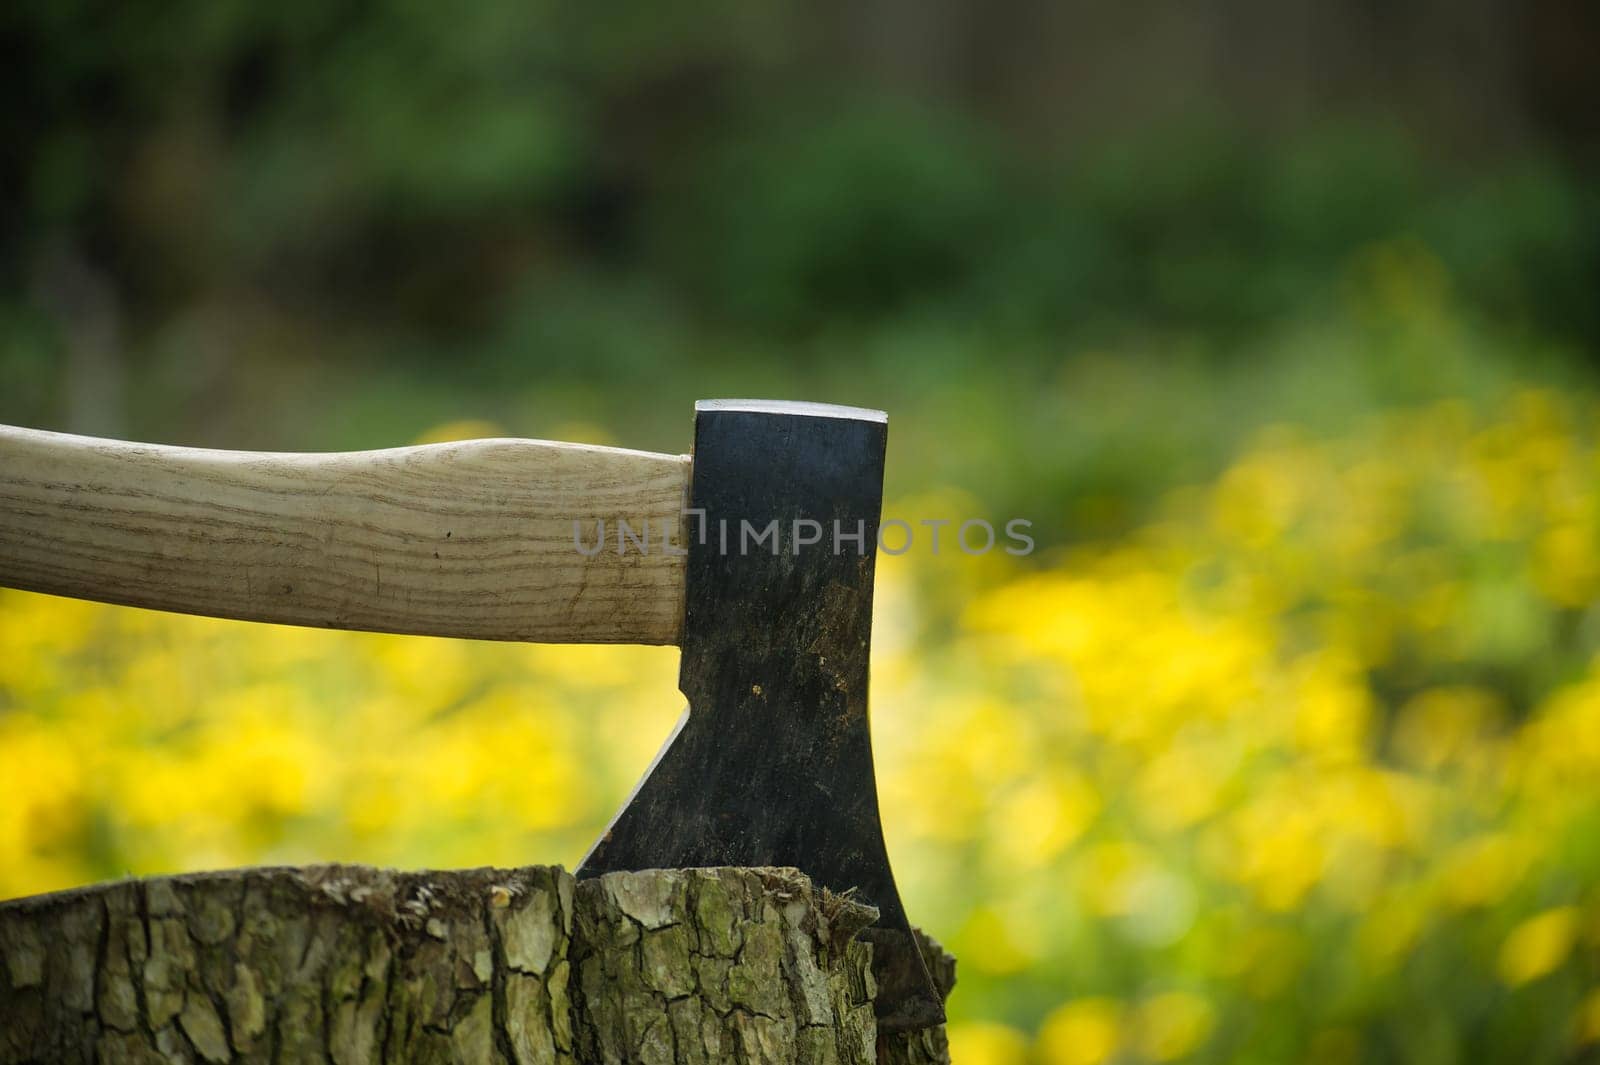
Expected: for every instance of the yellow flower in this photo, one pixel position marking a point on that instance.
(1172, 1025)
(1085, 1031)
(1538, 945)
(1389, 932)
(1482, 871)
(1332, 706)
(1036, 822)
(996, 941)
(466, 429)
(1442, 725)
(1278, 849)
(1182, 786)
(1566, 563)
(983, 1043)
(1263, 494)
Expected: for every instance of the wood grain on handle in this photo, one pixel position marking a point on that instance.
(467, 539)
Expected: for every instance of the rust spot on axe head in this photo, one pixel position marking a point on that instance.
(772, 762)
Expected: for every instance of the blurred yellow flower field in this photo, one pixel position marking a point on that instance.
(1302, 771)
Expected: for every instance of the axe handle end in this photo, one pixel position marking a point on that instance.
(472, 539)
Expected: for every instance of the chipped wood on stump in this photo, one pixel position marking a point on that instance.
(347, 965)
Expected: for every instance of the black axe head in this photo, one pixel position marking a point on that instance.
(771, 764)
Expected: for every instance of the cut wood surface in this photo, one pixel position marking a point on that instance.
(471, 539)
(349, 965)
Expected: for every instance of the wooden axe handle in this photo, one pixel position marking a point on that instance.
(472, 539)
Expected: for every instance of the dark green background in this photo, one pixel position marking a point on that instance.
(1075, 250)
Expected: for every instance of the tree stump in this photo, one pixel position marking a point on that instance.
(348, 965)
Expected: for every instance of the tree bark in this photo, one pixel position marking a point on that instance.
(347, 965)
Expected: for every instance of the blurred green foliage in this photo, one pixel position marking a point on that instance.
(335, 227)
(445, 172)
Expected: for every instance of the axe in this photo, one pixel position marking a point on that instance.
(755, 555)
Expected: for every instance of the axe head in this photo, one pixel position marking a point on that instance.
(771, 764)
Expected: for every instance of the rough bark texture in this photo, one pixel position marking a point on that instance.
(347, 965)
